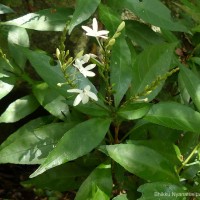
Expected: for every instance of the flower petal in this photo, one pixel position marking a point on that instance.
(87, 29)
(102, 32)
(91, 66)
(87, 88)
(88, 73)
(85, 98)
(92, 95)
(95, 25)
(78, 99)
(75, 90)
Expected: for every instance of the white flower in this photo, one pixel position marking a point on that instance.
(83, 95)
(84, 70)
(84, 59)
(94, 31)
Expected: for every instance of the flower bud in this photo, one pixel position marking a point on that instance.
(121, 27)
(111, 42)
(57, 53)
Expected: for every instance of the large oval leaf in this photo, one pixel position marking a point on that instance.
(142, 34)
(18, 36)
(133, 111)
(84, 9)
(32, 143)
(154, 12)
(174, 115)
(5, 87)
(51, 100)
(5, 9)
(143, 162)
(151, 63)
(19, 109)
(121, 72)
(66, 177)
(75, 143)
(44, 20)
(98, 185)
(161, 191)
(192, 84)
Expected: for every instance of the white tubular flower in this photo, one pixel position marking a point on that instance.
(94, 31)
(84, 59)
(83, 95)
(85, 70)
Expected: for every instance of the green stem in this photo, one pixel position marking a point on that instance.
(188, 158)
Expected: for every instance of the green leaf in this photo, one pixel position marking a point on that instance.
(5, 9)
(5, 87)
(174, 115)
(133, 111)
(161, 191)
(109, 18)
(32, 143)
(121, 72)
(25, 129)
(44, 20)
(51, 100)
(93, 109)
(192, 84)
(18, 36)
(143, 162)
(84, 10)
(152, 62)
(98, 185)
(156, 13)
(166, 148)
(19, 109)
(62, 178)
(121, 197)
(142, 34)
(76, 142)
(41, 63)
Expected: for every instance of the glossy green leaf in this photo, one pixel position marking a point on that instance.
(5, 9)
(143, 162)
(25, 129)
(166, 148)
(142, 34)
(98, 185)
(32, 143)
(93, 109)
(121, 197)
(152, 62)
(76, 142)
(192, 84)
(61, 178)
(41, 63)
(133, 111)
(83, 10)
(156, 13)
(162, 191)
(5, 87)
(174, 115)
(120, 69)
(51, 100)
(19, 109)
(44, 20)
(18, 36)
(109, 18)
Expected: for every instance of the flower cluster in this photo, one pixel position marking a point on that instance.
(85, 94)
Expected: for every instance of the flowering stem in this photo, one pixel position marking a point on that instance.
(188, 158)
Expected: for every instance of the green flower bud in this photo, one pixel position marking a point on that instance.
(121, 27)
(111, 42)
